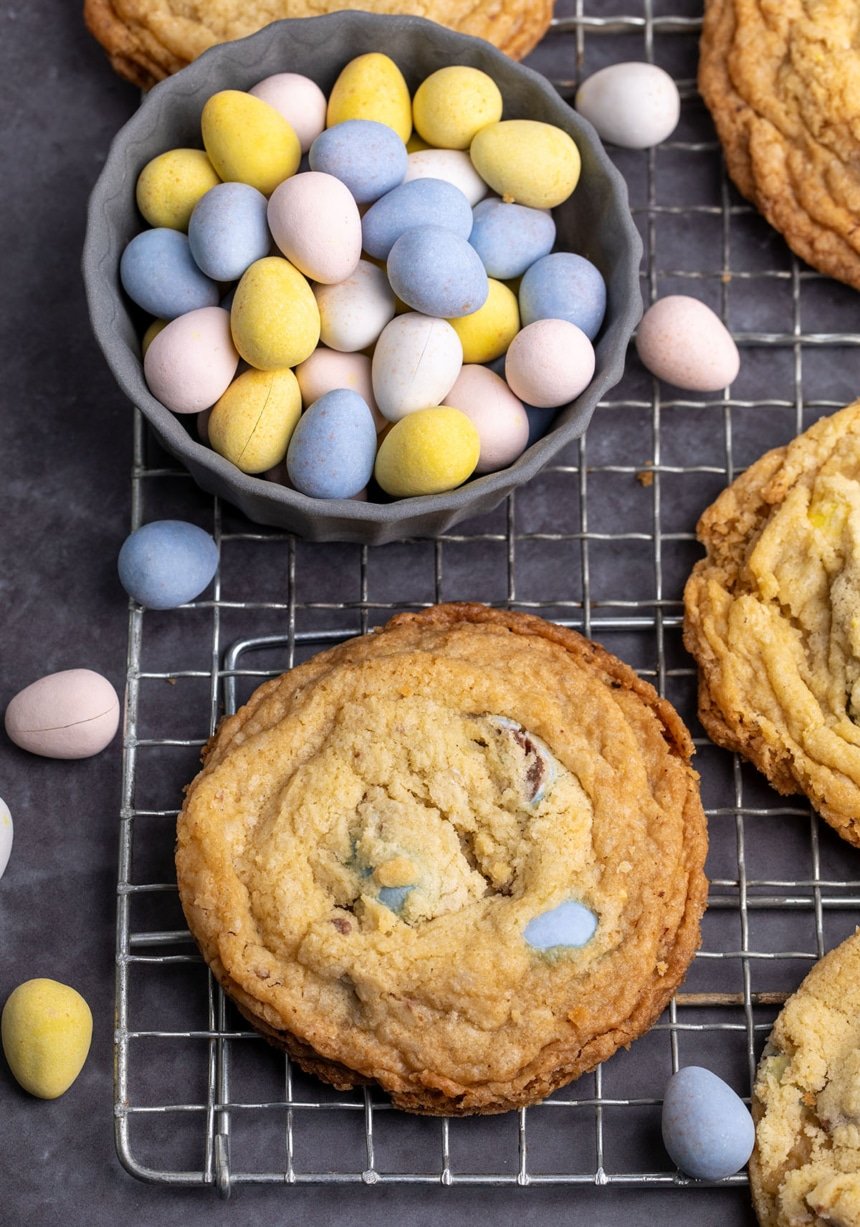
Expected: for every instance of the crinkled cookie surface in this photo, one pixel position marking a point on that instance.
(372, 834)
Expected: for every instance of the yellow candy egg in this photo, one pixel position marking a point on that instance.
(487, 332)
(46, 1028)
(170, 185)
(252, 423)
(415, 144)
(372, 87)
(274, 318)
(455, 103)
(151, 333)
(526, 161)
(426, 452)
(248, 141)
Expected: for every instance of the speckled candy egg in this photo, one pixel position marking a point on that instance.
(6, 836)
(632, 104)
(496, 414)
(427, 452)
(299, 99)
(370, 158)
(682, 341)
(707, 1128)
(47, 1029)
(354, 312)
(191, 361)
(416, 360)
(437, 272)
(452, 165)
(228, 231)
(71, 714)
(372, 87)
(485, 334)
(327, 369)
(453, 104)
(510, 237)
(564, 286)
(248, 141)
(526, 161)
(549, 363)
(167, 563)
(252, 423)
(316, 224)
(170, 185)
(158, 273)
(274, 318)
(423, 202)
(333, 447)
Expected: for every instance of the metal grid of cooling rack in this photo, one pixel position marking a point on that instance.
(602, 542)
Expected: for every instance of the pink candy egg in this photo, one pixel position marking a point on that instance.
(327, 369)
(192, 361)
(71, 714)
(299, 99)
(549, 363)
(316, 224)
(498, 416)
(682, 341)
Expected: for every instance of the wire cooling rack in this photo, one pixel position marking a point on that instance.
(601, 541)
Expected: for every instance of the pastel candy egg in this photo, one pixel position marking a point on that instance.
(497, 415)
(6, 834)
(249, 141)
(564, 286)
(632, 104)
(354, 311)
(540, 421)
(485, 334)
(369, 157)
(423, 202)
(158, 273)
(707, 1128)
(453, 104)
(427, 452)
(316, 224)
(151, 333)
(372, 87)
(549, 363)
(570, 924)
(167, 563)
(527, 161)
(299, 99)
(47, 1028)
(333, 447)
(275, 318)
(452, 165)
(71, 714)
(228, 231)
(415, 362)
(682, 341)
(327, 369)
(170, 185)
(437, 272)
(191, 361)
(510, 237)
(252, 423)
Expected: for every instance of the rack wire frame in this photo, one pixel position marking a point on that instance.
(726, 1024)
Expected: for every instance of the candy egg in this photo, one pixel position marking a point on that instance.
(682, 341)
(632, 104)
(71, 714)
(228, 231)
(423, 202)
(6, 835)
(299, 99)
(252, 423)
(570, 924)
(327, 369)
(191, 361)
(564, 286)
(452, 165)
(248, 140)
(497, 415)
(170, 185)
(316, 224)
(437, 272)
(354, 312)
(707, 1128)
(510, 237)
(540, 420)
(527, 161)
(151, 333)
(549, 363)
(47, 1028)
(427, 452)
(485, 334)
(416, 360)
(369, 157)
(453, 104)
(333, 447)
(372, 87)
(158, 272)
(275, 318)
(167, 563)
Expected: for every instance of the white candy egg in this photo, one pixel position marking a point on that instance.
(452, 165)
(497, 415)
(415, 363)
(327, 369)
(354, 312)
(633, 104)
(72, 714)
(682, 341)
(5, 836)
(299, 99)
(316, 224)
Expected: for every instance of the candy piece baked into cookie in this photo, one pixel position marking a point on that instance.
(782, 82)
(805, 1169)
(772, 615)
(461, 857)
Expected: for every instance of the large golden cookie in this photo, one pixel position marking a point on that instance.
(462, 857)
(772, 615)
(782, 81)
(150, 39)
(805, 1169)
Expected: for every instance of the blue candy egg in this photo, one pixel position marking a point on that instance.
(158, 272)
(228, 230)
(421, 202)
(333, 447)
(564, 286)
(394, 897)
(166, 563)
(540, 421)
(436, 272)
(510, 237)
(707, 1128)
(370, 158)
(568, 924)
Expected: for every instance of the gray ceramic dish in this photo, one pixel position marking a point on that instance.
(595, 221)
